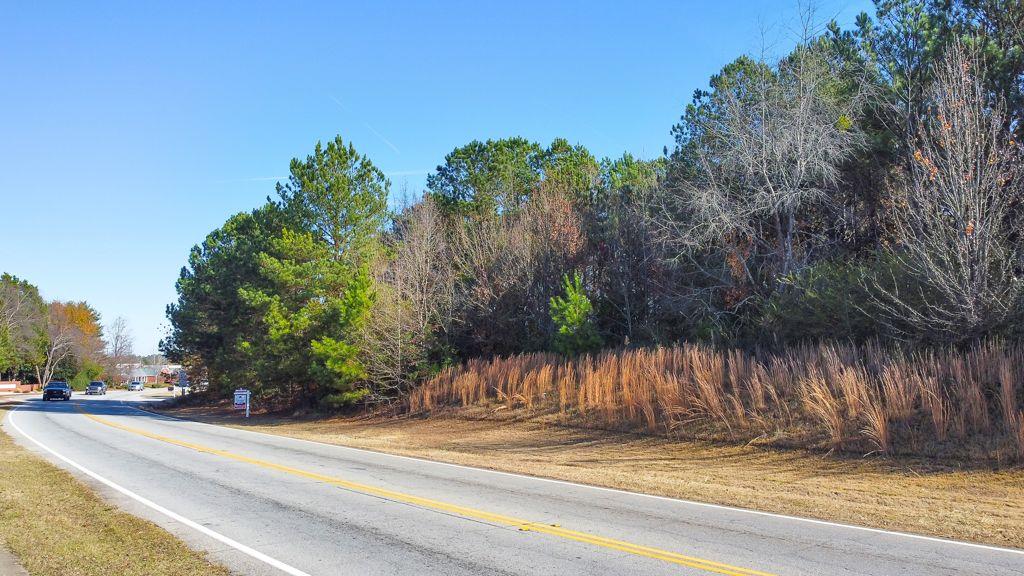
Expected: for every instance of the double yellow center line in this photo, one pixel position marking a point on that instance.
(500, 519)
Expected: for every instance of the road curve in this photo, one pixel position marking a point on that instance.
(263, 504)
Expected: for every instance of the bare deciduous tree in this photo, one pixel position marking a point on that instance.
(957, 223)
(120, 348)
(415, 294)
(769, 140)
(486, 280)
(121, 341)
(21, 322)
(511, 266)
(62, 338)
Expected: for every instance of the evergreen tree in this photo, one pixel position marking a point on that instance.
(572, 315)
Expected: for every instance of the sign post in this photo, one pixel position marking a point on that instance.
(242, 400)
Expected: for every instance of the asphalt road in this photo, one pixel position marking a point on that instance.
(264, 504)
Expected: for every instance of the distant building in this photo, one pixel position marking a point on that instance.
(124, 371)
(145, 374)
(153, 374)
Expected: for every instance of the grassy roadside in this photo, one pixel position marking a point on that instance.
(978, 505)
(57, 526)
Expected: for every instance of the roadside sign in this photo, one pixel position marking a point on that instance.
(182, 379)
(242, 400)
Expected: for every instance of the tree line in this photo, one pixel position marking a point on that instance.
(866, 186)
(44, 340)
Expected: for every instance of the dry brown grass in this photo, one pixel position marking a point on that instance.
(960, 404)
(981, 505)
(57, 526)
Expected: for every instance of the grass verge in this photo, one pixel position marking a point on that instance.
(57, 526)
(917, 496)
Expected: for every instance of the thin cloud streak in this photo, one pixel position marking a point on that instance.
(338, 102)
(382, 138)
(368, 127)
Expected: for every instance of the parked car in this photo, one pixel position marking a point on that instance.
(57, 390)
(135, 387)
(96, 387)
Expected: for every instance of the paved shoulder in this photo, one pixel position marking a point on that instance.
(9, 565)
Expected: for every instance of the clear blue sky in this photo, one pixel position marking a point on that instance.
(128, 131)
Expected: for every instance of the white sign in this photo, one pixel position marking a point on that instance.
(242, 400)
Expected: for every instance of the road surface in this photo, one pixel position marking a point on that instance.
(263, 504)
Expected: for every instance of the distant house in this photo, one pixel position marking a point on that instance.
(145, 374)
(152, 374)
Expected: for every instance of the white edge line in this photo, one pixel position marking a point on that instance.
(149, 503)
(605, 488)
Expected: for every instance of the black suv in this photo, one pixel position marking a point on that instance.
(57, 390)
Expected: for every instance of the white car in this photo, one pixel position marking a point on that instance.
(135, 387)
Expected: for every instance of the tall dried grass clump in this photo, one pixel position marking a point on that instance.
(825, 406)
(869, 398)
